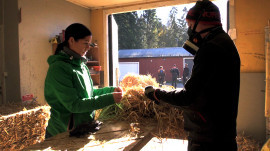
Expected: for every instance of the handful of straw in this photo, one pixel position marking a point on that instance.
(136, 107)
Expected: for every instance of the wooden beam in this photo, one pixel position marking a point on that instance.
(145, 5)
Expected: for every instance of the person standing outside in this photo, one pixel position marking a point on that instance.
(175, 74)
(68, 85)
(210, 105)
(185, 74)
(161, 75)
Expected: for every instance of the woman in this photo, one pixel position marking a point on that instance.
(69, 87)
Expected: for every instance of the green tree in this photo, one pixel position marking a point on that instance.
(163, 37)
(129, 33)
(146, 30)
(175, 33)
(168, 37)
(182, 28)
(173, 29)
(151, 24)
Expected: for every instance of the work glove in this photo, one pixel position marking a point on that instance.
(149, 93)
(86, 128)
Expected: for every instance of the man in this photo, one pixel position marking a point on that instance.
(210, 97)
(175, 74)
(185, 74)
(161, 75)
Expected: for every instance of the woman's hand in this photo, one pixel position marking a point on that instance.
(117, 96)
(118, 89)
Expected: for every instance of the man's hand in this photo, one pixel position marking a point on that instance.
(149, 93)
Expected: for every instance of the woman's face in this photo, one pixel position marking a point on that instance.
(81, 46)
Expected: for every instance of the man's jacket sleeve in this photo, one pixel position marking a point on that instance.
(202, 72)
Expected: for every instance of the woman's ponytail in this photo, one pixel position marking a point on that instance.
(60, 47)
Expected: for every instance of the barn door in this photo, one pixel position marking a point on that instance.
(113, 52)
(190, 63)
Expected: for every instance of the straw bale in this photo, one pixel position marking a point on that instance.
(138, 108)
(246, 143)
(133, 80)
(23, 128)
(15, 107)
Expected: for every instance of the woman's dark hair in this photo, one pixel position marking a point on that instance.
(77, 31)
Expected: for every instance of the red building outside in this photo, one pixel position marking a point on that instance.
(149, 60)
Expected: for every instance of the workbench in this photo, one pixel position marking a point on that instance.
(113, 135)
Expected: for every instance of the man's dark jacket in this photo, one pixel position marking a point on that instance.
(186, 72)
(175, 73)
(210, 96)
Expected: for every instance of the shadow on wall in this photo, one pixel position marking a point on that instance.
(251, 107)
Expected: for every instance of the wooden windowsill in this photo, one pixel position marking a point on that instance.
(94, 74)
(92, 62)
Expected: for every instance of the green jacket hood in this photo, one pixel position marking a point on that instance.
(63, 57)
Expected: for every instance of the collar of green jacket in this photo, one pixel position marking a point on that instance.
(74, 54)
(68, 56)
